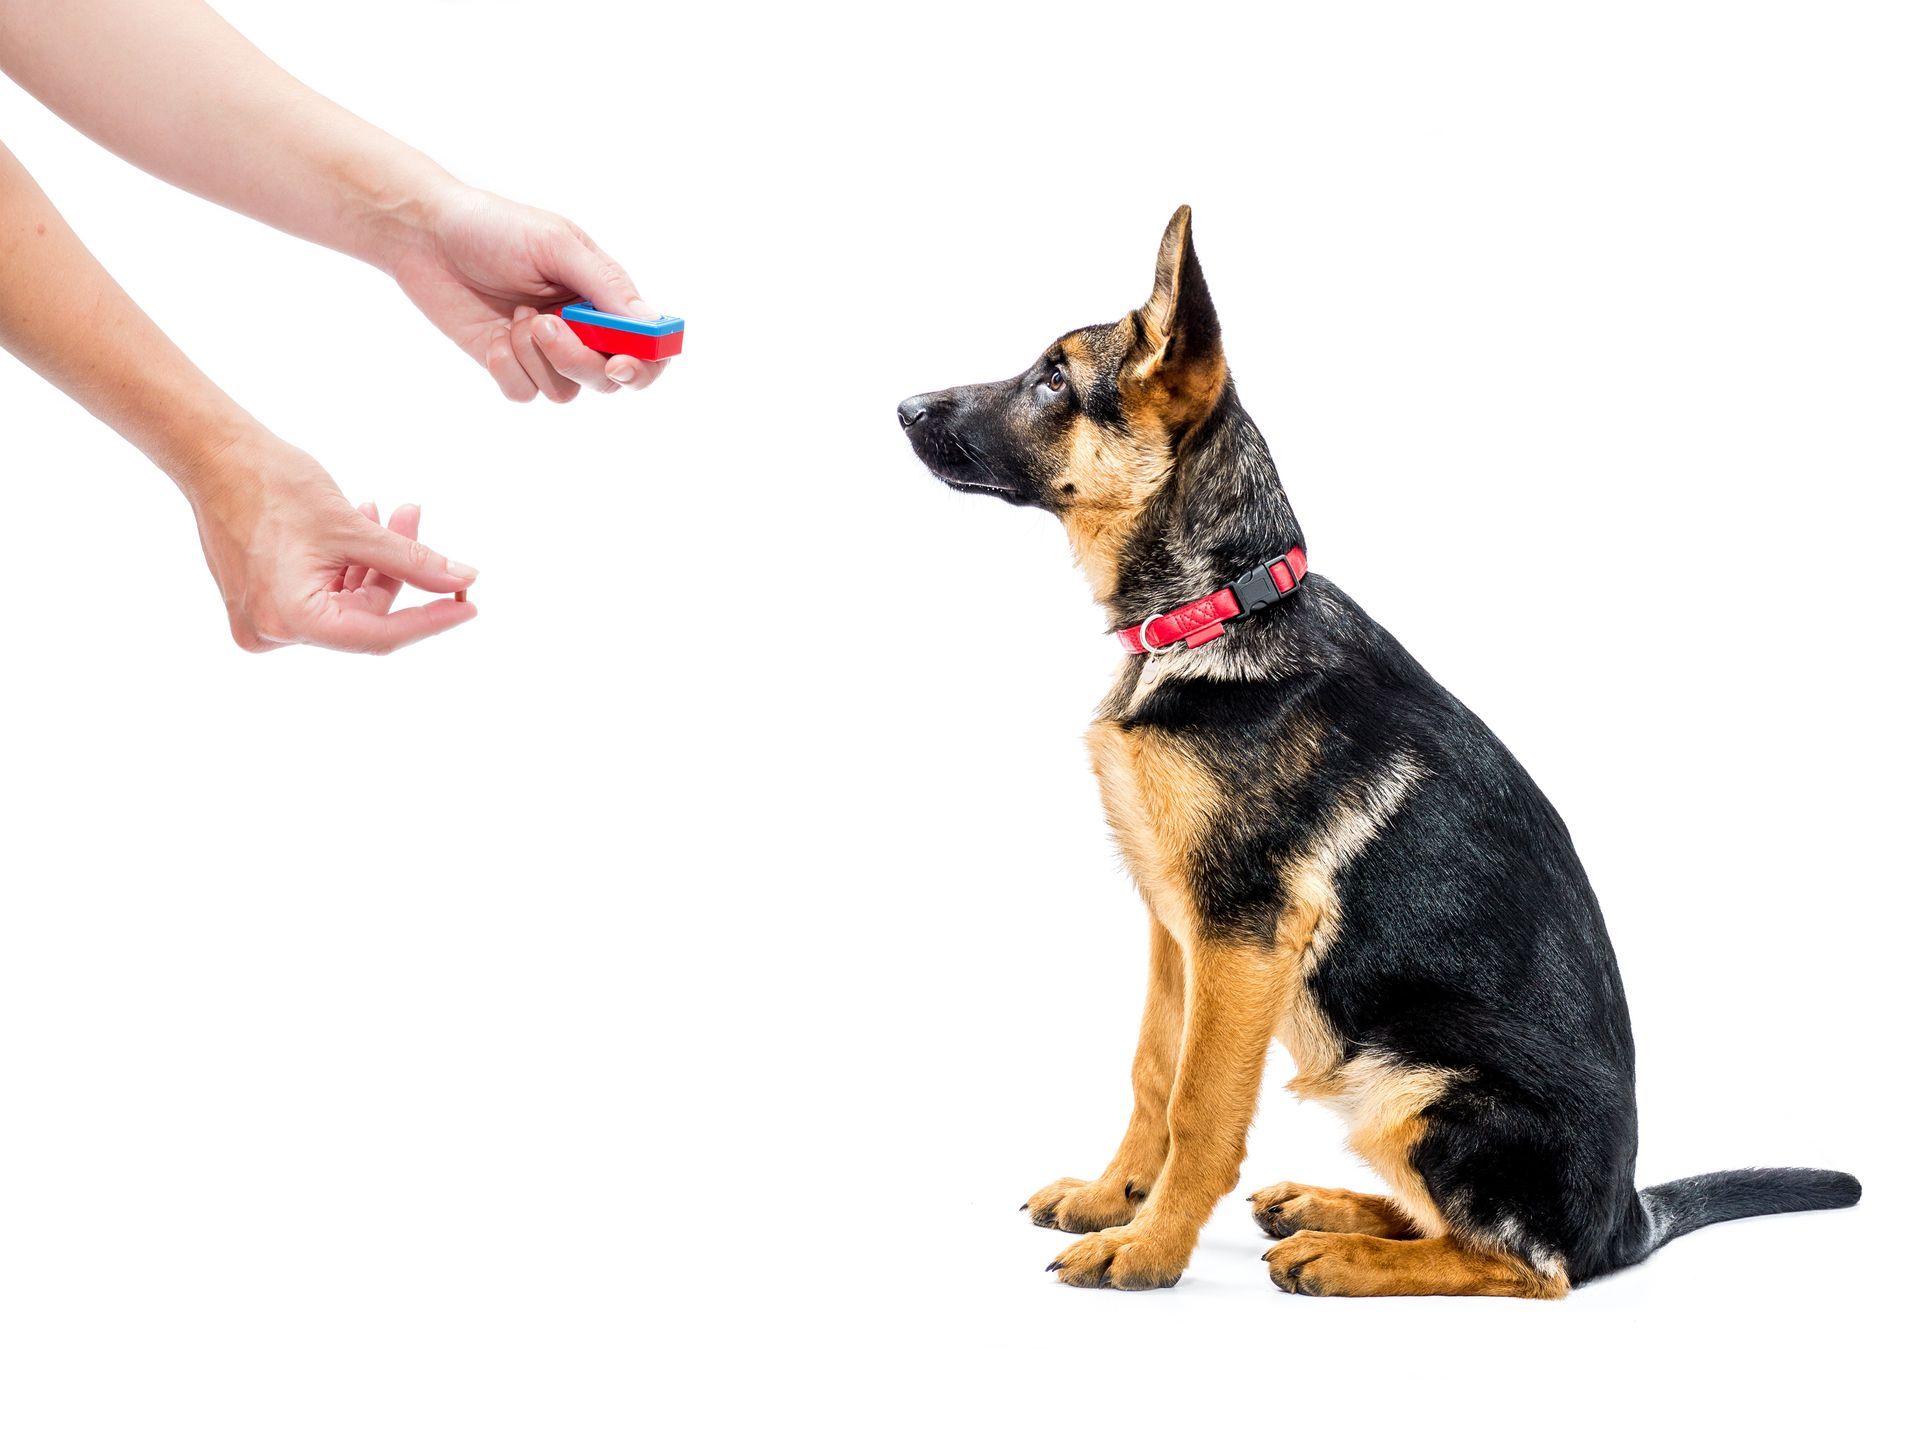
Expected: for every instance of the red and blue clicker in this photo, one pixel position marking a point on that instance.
(625, 334)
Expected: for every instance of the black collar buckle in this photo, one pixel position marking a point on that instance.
(1256, 589)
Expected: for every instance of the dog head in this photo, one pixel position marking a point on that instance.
(1090, 431)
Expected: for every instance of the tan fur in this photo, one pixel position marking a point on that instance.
(1156, 316)
(1176, 387)
(1308, 927)
(1113, 477)
(1382, 1104)
(1107, 475)
(1281, 1209)
(1223, 1048)
(1316, 1262)
(1113, 1199)
(1159, 800)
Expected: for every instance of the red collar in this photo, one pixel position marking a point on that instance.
(1200, 622)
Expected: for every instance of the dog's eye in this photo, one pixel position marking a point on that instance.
(1057, 381)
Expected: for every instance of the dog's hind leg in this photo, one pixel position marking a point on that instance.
(1315, 1262)
(1285, 1209)
(1114, 1198)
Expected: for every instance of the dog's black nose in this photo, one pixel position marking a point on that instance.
(913, 411)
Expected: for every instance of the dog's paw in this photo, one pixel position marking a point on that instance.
(1322, 1262)
(1286, 1209)
(1270, 1208)
(1127, 1257)
(1080, 1206)
(1300, 1265)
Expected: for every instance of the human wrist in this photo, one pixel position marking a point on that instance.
(395, 214)
(219, 462)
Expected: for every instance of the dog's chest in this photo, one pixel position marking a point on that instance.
(1159, 800)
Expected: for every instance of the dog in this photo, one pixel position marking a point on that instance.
(1334, 852)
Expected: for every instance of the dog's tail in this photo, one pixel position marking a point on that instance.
(1680, 1207)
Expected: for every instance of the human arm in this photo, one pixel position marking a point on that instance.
(281, 540)
(170, 86)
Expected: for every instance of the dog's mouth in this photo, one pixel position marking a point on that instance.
(976, 487)
(955, 463)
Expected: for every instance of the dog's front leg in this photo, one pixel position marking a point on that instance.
(1223, 1049)
(1082, 1205)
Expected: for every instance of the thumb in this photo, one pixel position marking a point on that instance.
(406, 559)
(597, 278)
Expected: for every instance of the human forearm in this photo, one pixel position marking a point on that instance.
(170, 86)
(63, 315)
(294, 561)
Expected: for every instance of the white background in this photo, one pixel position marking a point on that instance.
(644, 1009)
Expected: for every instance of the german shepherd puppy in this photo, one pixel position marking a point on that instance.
(1334, 851)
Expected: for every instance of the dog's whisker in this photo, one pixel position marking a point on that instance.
(970, 453)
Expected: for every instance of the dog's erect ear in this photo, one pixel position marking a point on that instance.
(1180, 351)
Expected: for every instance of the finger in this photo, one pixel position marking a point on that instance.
(555, 386)
(592, 274)
(356, 575)
(635, 374)
(402, 557)
(339, 627)
(381, 587)
(568, 356)
(506, 370)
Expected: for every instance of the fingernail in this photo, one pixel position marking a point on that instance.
(461, 572)
(643, 310)
(625, 374)
(549, 328)
(521, 312)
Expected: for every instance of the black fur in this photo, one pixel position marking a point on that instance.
(1469, 939)
(1680, 1207)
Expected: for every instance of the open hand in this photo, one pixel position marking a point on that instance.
(482, 269)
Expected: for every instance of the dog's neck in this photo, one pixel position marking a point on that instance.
(1221, 512)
